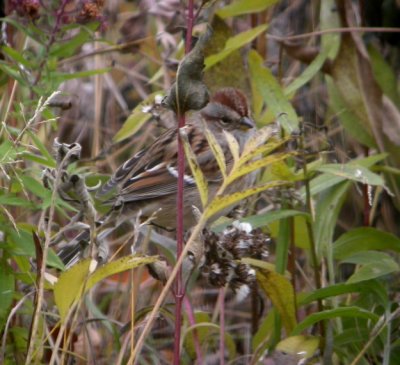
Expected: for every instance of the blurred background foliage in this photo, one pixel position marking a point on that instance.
(82, 71)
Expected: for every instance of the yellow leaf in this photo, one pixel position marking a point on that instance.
(73, 282)
(201, 182)
(280, 291)
(262, 150)
(69, 287)
(217, 151)
(255, 165)
(233, 145)
(302, 346)
(261, 136)
(136, 120)
(221, 202)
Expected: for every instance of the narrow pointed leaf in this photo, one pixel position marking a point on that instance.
(217, 151)
(255, 165)
(374, 264)
(355, 312)
(137, 118)
(353, 172)
(72, 282)
(265, 149)
(240, 7)
(272, 93)
(300, 346)
(281, 293)
(235, 43)
(364, 239)
(221, 202)
(233, 145)
(201, 182)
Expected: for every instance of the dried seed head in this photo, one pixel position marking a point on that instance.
(222, 252)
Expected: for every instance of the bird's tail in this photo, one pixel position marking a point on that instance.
(73, 251)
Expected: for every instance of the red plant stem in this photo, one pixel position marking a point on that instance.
(59, 14)
(179, 288)
(190, 22)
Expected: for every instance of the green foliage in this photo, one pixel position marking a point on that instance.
(234, 44)
(73, 283)
(331, 215)
(272, 93)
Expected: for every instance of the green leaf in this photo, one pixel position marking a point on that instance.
(333, 291)
(280, 291)
(36, 187)
(59, 77)
(259, 264)
(22, 244)
(310, 71)
(351, 337)
(262, 220)
(325, 181)
(205, 332)
(136, 120)
(13, 200)
(234, 43)
(6, 291)
(241, 7)
(374, 265)
(13, 72)
(73, 282)
(354, 312)
(301, 234)
(265, 332)
(353, 172)
(327, 212)
(38, 143)
(384, 74)
(350, 121)
(7, 152)
(32, 31)
(364, 239)
(201, 332)
(16, 56)
(38, 159)
(272, 93)
(66, 49)
(303, 347)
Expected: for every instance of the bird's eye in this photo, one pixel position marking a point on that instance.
(225, 121)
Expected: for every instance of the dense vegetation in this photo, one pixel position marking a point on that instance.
(311, 254)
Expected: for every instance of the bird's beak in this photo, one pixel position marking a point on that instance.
(247, 123)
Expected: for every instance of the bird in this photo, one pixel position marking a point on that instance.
(147, 182)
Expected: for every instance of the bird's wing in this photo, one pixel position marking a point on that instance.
(153, 172)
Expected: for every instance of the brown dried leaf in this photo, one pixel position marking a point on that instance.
(305, 54)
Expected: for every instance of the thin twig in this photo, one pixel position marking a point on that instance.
(334, 30)
(179, 286)
(40, 289)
